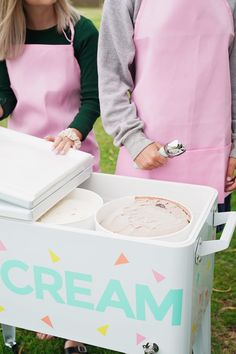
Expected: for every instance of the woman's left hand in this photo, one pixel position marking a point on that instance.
(63, 144)
(230, 183)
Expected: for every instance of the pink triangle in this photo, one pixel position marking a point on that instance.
(158, 276)
(2, 247)
(121, 260)
(47, 320)
(139, 338)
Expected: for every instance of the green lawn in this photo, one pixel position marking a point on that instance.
(224, 295)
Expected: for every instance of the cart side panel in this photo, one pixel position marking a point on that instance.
(112, 293)
(203, 279)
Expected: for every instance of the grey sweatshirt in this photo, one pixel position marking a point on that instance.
(116, 76)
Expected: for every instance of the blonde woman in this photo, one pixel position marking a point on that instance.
(48, 72)
(48, 77)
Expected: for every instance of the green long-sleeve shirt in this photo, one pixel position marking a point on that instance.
(85, 51)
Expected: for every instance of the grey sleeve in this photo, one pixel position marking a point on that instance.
(115, 62)
(233, 83)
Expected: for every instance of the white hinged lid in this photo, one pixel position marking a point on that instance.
(33, 177)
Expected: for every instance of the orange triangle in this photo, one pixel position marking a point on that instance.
(121, 259)
(47, 320)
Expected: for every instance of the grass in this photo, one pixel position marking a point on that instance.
(224, 295)
(93, 13)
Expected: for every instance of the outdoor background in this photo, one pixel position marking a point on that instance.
(224, 293)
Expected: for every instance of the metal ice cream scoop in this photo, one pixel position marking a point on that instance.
(172, 149)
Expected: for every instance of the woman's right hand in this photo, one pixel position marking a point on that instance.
(149, 158)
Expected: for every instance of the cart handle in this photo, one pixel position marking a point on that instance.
(209, 247)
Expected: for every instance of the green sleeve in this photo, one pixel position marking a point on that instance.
(7, 97)
(85, 47)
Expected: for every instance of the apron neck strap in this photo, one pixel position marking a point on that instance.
(72, 33)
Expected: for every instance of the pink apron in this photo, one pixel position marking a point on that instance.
(46, 83)
(182, 88)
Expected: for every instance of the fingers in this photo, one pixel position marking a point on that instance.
(149, 163)
(43, 336)
(57, 142)
(150, 158)
(49, 138)
(62, 145)
(158, 146)
(230, 183)
(231, 187)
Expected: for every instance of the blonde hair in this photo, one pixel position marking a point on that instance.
(13, 24)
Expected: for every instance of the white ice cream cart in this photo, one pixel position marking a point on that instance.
(118, 293)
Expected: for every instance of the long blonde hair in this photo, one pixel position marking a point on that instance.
(13, 24)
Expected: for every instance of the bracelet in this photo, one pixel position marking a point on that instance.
(70, 134)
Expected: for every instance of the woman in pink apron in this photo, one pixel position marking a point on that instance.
(50, 83)
(48, 77)
(167, 70)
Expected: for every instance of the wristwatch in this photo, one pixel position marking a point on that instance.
(172, 149)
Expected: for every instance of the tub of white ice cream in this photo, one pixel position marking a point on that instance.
(77, 209)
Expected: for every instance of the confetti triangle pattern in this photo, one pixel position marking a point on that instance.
(2, 247)
(54, 257)
(208, 265)
(2, 309)
(121, 260)
(194, 328)
(158, 276)
(47, 320)
(139, 338)
(103, 330)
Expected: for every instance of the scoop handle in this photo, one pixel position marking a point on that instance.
(162, 152)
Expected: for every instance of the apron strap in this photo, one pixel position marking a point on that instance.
(72, 32)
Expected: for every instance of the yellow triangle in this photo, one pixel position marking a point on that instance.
(208, 264)
(54, 257)
(103, 330)
(194, 328)
(2, 309)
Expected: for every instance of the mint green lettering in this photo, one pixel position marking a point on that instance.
(114, 288)
(172, 300)
(52, 288)
(72, 289)
(5, 270)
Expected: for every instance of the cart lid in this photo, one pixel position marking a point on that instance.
(32, 174)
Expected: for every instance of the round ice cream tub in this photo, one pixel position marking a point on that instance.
(77, 209)
(144, 217)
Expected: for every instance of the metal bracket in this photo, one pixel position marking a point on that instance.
(198, 258)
